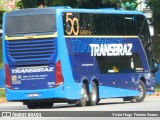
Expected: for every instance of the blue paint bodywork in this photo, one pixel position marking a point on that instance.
(2, 82)
(73, 52)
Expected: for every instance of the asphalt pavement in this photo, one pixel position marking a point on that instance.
(111, 107)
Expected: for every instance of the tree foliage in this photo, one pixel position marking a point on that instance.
(99, 3)
(27, 3)
(155, 7)
(72, 3)
(129, 4)
(45, 3)
(1, 14)
(125, 4)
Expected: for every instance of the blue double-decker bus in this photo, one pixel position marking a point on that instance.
(79, 56)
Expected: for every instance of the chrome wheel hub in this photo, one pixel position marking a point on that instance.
(94, 95)
(141, 91)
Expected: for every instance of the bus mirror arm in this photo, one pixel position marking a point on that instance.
(154, 67)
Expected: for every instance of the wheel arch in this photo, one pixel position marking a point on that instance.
(86, 82)
(95, 80)
(143, 79)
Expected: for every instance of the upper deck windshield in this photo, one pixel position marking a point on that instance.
(30, 24)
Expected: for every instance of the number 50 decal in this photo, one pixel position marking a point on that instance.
(72, 21)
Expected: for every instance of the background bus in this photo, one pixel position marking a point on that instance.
(77, 56)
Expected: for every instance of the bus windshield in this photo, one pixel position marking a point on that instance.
(37, 24)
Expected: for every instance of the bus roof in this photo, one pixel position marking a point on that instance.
(101, 10)
(80, 10)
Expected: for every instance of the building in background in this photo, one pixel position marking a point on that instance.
(142, 5)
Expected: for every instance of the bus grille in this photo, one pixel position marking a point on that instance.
(26, 52)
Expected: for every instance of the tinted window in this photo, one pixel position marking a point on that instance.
(89, 24)
(119, 64)
(130, 25)
(143, 31)
(142, 26)
(108, 24)
(105, 24)
(30, 24)
(99, 24)
(119, 25)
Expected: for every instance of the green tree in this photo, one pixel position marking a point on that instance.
(125, 4)
(27, 3)
(45, 3)
(1, 15)
(71, 3)
(99, 3)
(129, 4)
(155, 7)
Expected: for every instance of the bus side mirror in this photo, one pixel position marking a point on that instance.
(154, 66)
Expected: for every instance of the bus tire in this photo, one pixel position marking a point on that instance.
(98, 101)
(93, 96)
(140, 98)
(31, 106)
(142, 89)
(45, 105)
(83, 101)
(40, 105)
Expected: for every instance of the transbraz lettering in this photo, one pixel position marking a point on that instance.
(111, 49)
(32, 70)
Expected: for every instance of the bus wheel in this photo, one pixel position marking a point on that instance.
(140, 98)
(32, 106)
(40, 105)
(83, 101)
(98, 101)
(93, 96)
(142, 90)
(45, 105)
(49, 105)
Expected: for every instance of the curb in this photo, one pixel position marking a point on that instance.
(3, 100)
(155, 94)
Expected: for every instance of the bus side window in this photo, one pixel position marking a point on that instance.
(99, 24)
(142, 26)
(119, 64)
(108, 24)
(84, 21)
(139, 25)
(143, 31)
(130, 25)
(103, 24)
(119, 25)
